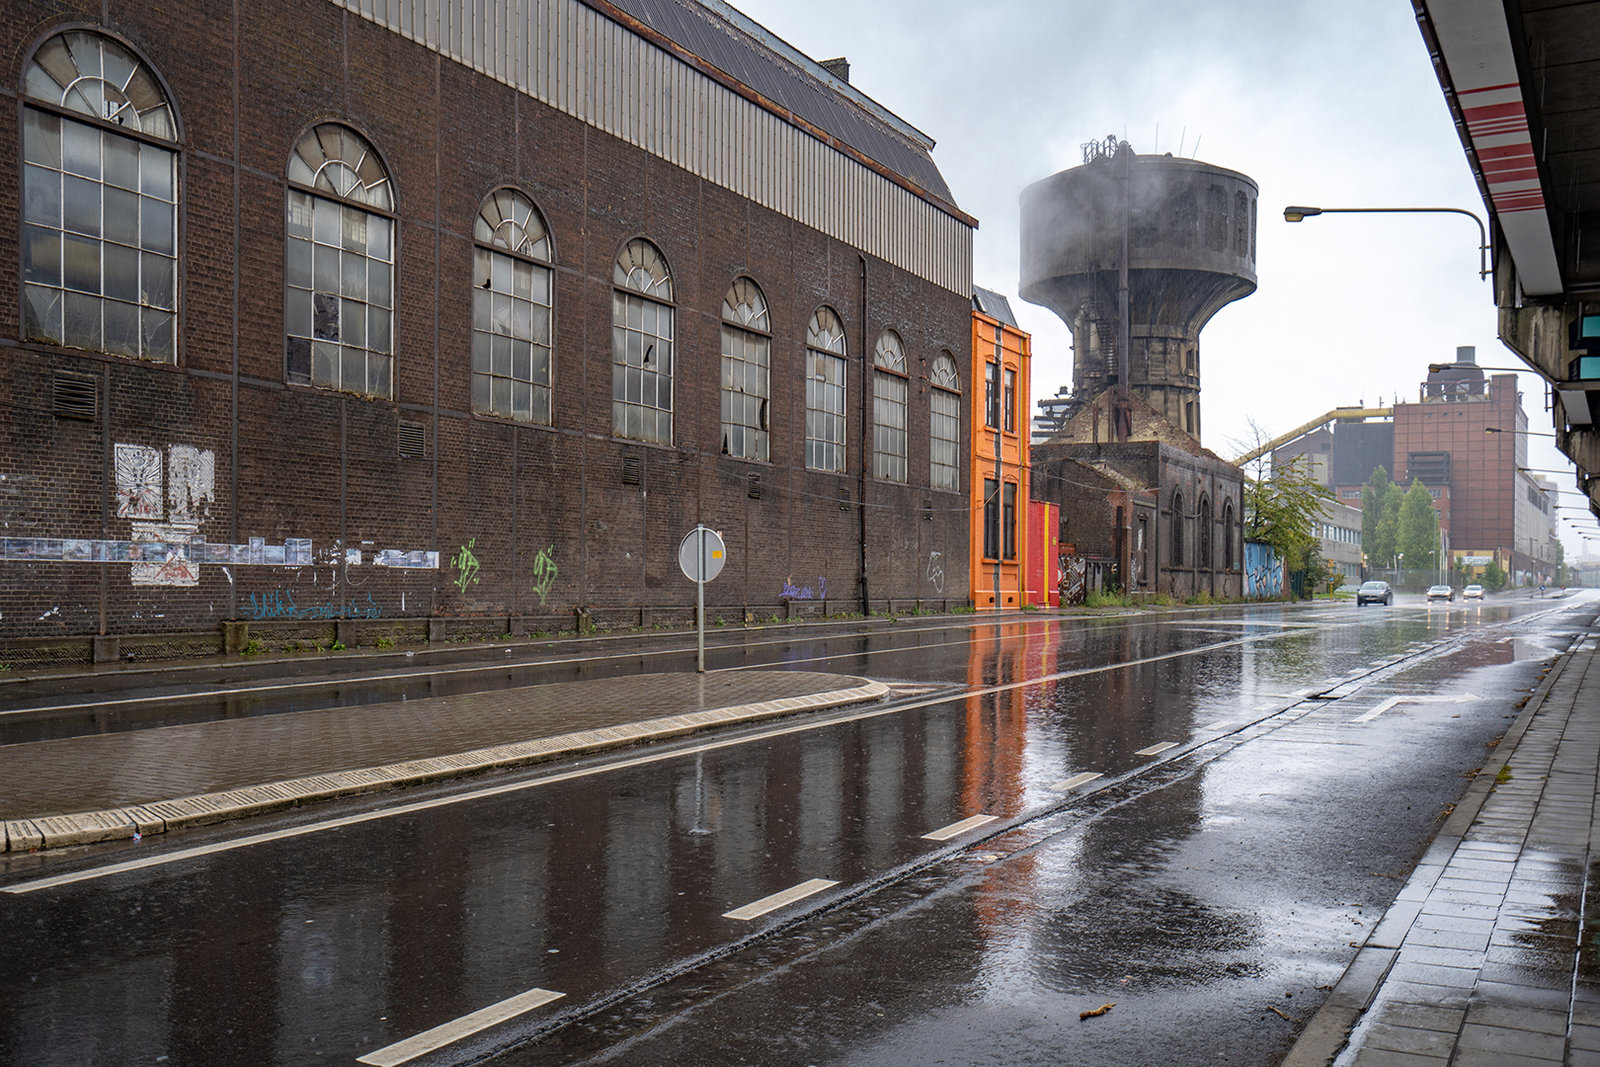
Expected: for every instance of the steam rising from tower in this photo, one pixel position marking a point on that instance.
(1171, 240)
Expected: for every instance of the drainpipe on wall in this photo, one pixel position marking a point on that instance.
(866, 451)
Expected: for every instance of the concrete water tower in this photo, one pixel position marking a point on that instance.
(1136, 253)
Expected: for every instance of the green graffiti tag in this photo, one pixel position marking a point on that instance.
(544, 572)
(466, 565)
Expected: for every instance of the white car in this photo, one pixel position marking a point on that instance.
(1441, 592)
(1472, 592)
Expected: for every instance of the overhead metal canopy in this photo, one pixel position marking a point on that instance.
(1520, 77)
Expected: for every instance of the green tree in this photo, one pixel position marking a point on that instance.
(1417, 533)
(1283, 510)
(1377, 539)
(1494, 579)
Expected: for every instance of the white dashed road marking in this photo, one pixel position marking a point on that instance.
(453, 1031)
(1156, 750)
(955, 829)
(1075, 781)
(757, 908)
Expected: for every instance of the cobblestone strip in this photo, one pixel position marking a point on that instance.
(56, 831)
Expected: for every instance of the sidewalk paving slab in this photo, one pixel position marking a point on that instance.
(1490, 953)
(104, 787)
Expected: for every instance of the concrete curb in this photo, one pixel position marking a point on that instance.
(1327, 1032)
(113, 824)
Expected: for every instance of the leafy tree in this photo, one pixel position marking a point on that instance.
(1494, 579)
(1418, 529)
(1380, 519)
(1283, 510)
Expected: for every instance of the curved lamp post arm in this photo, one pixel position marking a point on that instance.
(1295, 214)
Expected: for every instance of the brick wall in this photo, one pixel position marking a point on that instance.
(543, 512)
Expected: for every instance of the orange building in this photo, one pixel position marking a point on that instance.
(1001, 354)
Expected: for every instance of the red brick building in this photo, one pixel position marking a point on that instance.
(385, 312)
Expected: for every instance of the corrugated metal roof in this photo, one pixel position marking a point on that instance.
(749, 53)
(993, 305)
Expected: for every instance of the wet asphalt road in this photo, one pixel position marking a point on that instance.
(1211, 891)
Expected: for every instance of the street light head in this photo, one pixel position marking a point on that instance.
(1295, 214)
(1493, 429)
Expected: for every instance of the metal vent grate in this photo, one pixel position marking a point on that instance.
(413, 440)
(632, 470)
(74, 398)
(753, 491)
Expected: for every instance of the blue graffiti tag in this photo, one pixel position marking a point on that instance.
(795, 592)
(280, 605)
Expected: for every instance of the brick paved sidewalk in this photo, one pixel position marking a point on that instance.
(1491, 953)
(160, 778)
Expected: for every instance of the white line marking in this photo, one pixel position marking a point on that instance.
(757, 908)
(180, 855)
(453, 1031)
(1075, 781)
(1155, 750)
(1222, 725)
(956, 829)
(1421, 699)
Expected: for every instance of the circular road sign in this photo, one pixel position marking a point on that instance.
(702, 554)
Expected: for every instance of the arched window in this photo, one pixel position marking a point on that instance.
(99, 200)
(641, 345)
(1203, 544)
(1177, 529)
(746, 371)
(511, 302)
(944, 424)
(339, 265)
(1228, 559)
(891, 389)
(825, 426)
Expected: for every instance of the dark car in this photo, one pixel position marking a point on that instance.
(1374, 593)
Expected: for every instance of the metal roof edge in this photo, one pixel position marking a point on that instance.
(768, 39)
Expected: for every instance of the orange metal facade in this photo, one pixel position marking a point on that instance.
(1001, 355)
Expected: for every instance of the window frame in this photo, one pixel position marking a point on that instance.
(150, 303)
(945, 379)
(991, 519)
(826, 354)
(991, 394)
(367, 195)
(1008, 402)
(633, 263)
(890, 376)
(537, 253)
(747, 328)
(1177, 529)
(1008, 520)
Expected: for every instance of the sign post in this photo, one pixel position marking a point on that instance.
(701, 556)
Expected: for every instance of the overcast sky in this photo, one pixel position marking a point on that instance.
(1334, 105)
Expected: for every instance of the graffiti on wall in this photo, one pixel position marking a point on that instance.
(466, 565)
(936, 571)
(1263, 572)
(807, 592)
(544, 572)
(280, 604)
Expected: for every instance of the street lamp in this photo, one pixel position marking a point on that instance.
(1529, 433)
(1295, 214)
(1435, 368)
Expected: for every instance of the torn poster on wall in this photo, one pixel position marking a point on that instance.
(167, 498)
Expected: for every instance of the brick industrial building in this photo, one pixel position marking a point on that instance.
(408, 311)
(1465, 438)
